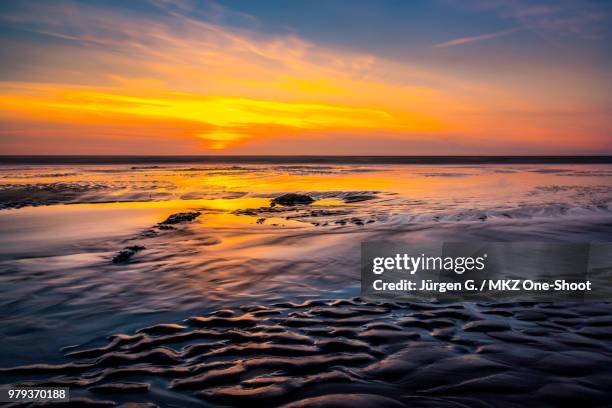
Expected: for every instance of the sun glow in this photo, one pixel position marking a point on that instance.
(223, 121)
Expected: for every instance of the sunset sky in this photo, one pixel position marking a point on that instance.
(306, 77)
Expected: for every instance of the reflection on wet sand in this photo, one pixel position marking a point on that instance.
(59, 282)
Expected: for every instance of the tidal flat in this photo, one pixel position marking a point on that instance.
(193, 284)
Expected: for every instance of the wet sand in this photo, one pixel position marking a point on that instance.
(349, 352)
(248, 304)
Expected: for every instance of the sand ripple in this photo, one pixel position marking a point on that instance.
(350, 353)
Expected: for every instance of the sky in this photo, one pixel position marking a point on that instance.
(336, 77)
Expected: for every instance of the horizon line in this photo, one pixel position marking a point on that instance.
(316, 159)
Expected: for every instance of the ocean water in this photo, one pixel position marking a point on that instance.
(61, 226)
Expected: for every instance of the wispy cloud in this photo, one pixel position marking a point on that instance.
(221, 85)
(584, 19)
(476, 38)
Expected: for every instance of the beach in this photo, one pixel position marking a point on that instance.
(195, 284)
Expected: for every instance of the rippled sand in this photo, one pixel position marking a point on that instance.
(377, 354)
(254, 276)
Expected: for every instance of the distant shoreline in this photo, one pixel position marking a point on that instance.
(85, 159)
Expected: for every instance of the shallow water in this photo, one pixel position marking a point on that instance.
(62, 225)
